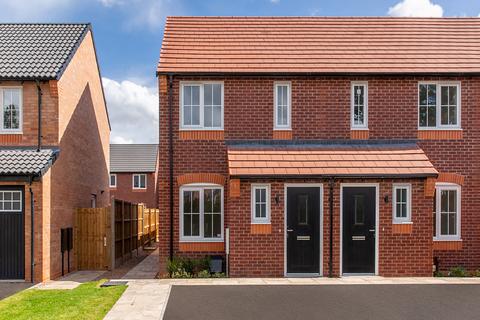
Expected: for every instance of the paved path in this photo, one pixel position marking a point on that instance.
(147, 269)
(70, 281)
(9, 288)
(336, 302)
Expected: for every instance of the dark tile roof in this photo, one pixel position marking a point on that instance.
(38, 51)
(133, 157)
(324, 45)
(22, 162)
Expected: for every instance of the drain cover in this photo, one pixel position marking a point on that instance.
(114, 283)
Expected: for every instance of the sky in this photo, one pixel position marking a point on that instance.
(128, 36)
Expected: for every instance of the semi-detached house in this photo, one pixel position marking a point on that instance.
(54, 144)
(321, 146)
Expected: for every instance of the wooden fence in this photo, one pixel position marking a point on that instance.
(106, 237)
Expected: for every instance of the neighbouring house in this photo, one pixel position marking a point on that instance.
(321, 146)
(133, 173)
(54, 143)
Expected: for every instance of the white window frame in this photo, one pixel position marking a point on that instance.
(20, 127)
(438, 188)
(256, 220)
(408, 218)
(363, 126)
(110, 181)
(139, 180)
(202, 105)
(21, 200)
(288, 126)
(201, 188)
(438, 111)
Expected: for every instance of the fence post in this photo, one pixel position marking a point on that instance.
(112, 236)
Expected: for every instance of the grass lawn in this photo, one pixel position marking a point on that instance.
(87, 301)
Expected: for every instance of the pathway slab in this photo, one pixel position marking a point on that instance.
(70, 281)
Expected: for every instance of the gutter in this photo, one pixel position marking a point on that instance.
(170, 157)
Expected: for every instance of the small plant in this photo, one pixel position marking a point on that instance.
(218, 275)
(438, 274)
(203, 274)
(181, 274)
(457, 272)
(476, 273)
(174, 265)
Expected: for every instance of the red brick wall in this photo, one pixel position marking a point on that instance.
(125, 191)
(321, 110)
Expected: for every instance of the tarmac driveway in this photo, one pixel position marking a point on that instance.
(340, 302)
(9, 288)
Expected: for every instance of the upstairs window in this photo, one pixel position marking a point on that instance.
(448, 200)
(113, 180)
(11, 115)
(359, 112)
(202, 106)
(260, 203)
(439, 105)
(402, 203)
(282, 105)
(139, 181)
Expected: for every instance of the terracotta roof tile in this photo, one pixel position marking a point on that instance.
(320, 45)
(359, 160)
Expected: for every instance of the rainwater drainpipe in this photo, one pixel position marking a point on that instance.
(170, 155)
(32, 231)
(39, 95)
(330, 200)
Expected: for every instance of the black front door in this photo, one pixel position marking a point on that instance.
(303, 229)
(359, 229)
(12, 247)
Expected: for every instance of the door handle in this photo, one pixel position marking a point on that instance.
(372, 230)
(289, 230)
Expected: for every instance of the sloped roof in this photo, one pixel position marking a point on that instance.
(133, 157)
(326, 45)
(330, 160)
(38, 51)
(25, 162)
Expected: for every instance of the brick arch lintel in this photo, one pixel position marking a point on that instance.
(188, 178)
(451, 178)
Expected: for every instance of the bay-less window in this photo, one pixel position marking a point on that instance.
(282, 105)
(113, 180)
(359, 112)
(260, 203)
(10, 201)
(11, 115)
(448, 211)
(139, 181)
(201, 213)
(439, 105)
(402, 203)
(202, 106)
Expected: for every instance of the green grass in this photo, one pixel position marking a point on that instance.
(87, 301)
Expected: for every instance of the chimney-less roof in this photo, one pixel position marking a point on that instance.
(133, 157)
(320, 45)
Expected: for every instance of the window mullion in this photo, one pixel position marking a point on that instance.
(201, 213)
(438, 110)
(202, 106)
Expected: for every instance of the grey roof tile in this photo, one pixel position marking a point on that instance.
(41, 51)
(133, 157)
(26, 161)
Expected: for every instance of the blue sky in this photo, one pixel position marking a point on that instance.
(128, 36)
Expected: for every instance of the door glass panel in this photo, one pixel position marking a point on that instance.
(359, 208)
(302, 210)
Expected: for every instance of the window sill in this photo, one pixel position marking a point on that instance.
(260, 228)
(201, 246)
(201, 134)
(359, 134)
(447, 244)
(139, 190)
(402, 227)
(439, 134)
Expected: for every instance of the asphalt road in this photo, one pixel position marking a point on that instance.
(352, 302)
(9, 288)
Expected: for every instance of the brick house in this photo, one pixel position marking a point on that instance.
(133, 173)
(54, 143)
(321, 146)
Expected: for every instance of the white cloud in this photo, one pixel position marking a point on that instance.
(33, 10)
(133, 111)
(110, 3)
(274, 1)
(416, 8)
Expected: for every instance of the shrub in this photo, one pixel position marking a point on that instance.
(203, 274)
(476, 273)
(438, 274)
(180, 267)
(181, 274)
(218, 275)
(457, 272)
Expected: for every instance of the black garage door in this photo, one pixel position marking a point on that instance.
(12, 242)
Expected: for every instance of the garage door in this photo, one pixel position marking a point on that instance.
(12, 242)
